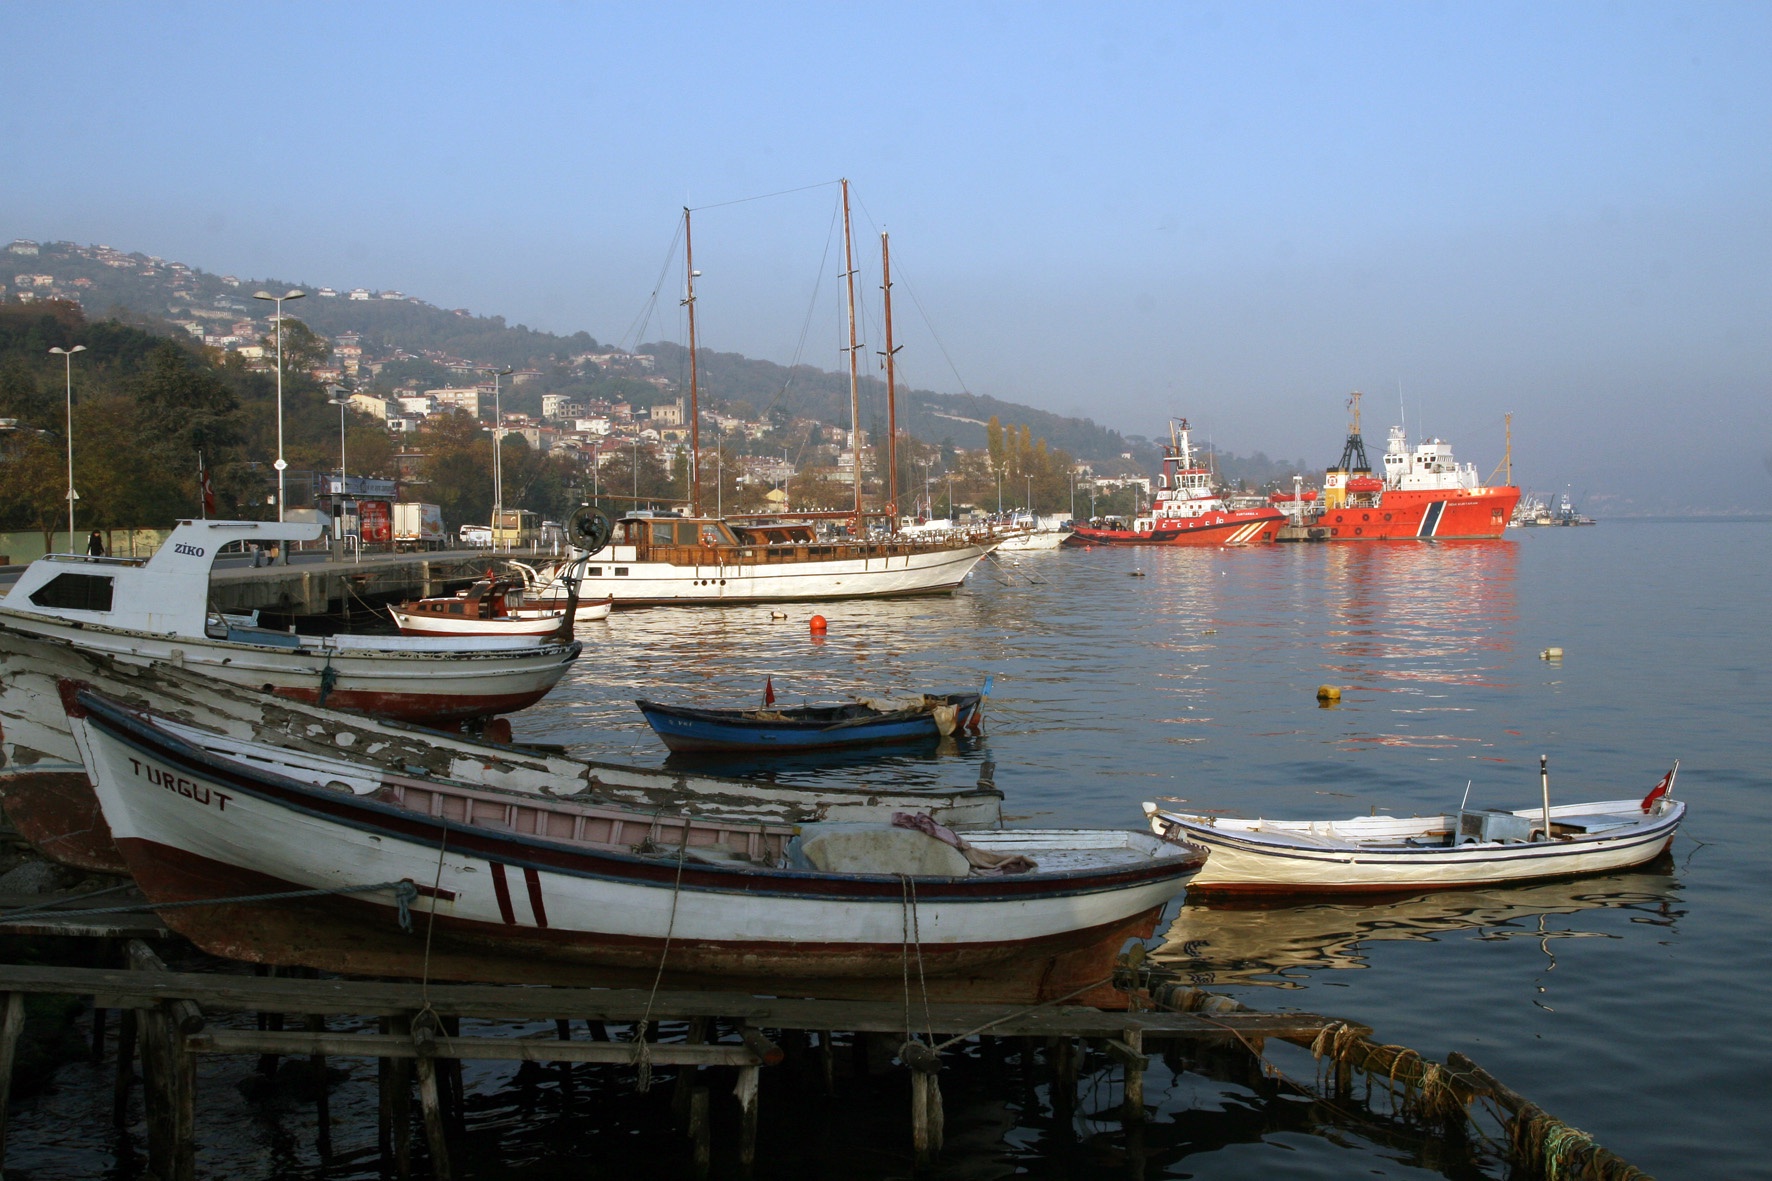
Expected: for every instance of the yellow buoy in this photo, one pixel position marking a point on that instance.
(1328, 693)
(1551, 654)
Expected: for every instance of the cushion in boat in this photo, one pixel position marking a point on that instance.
(880, 848)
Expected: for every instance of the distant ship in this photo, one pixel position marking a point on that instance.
(1186, 511)
(1423, 493)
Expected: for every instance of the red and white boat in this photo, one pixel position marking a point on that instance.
(1423, 493)
(538, 890)
(1186, 511)
(493, 606)
(155, 611)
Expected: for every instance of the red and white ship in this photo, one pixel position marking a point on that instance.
(1186, 511)
(1423, 493)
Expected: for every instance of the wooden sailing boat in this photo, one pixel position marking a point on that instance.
(658, 558)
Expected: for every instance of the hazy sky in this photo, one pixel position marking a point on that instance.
(1232, 212)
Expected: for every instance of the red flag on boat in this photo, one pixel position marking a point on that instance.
(203, 482)
(769, 692)
(1659, 790)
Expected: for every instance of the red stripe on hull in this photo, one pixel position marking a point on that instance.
(1398, 516)
(58, 813)
(348, 935)
(1211, 529)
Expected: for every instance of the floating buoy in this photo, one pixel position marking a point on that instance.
(778, 615)
(818, 625)
(1328, 694)
(1551, 654)
(1135, 574)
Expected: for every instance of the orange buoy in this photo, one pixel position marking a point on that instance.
(818, 625)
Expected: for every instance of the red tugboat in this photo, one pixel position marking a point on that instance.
(1186, 511)
(1424, 493)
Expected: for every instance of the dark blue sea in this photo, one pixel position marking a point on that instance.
(1633, 1006)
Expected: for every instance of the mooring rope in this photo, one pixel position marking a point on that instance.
(643, 1048)
(49, 907)
(404, 894)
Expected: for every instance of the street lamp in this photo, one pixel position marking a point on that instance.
(280, 465)
(67, 356)
(498, 471)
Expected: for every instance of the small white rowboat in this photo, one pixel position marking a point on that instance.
(1379, 854)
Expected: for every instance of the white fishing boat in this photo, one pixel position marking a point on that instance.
(420, 877)
(1471, 847)
(495, 606)
(155, 610)
(49, 800)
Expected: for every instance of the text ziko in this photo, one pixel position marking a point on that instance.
(181, 785)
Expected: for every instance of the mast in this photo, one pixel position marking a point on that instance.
(694, 391)
(854, 377)
(891, 390)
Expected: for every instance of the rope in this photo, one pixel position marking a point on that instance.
(1021, 1012)
(404, 893)
(424, 979)
(49, 907)
(643, 1048)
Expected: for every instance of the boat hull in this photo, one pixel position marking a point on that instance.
(495, 904)
(436, 686)
(1246, 861)
(1238, 527)
(701, 731)
(48, 796)
(758, 574)
(1444, 514)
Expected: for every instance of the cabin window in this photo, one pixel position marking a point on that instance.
(662, 533)
(75, 592)
(710, 533)
(594, 572)
(455, 608)
(687, 533)
(621, 570)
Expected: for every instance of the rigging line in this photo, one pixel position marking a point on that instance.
(765, 196)
(900, 277)
(650, 305)
(799, 354)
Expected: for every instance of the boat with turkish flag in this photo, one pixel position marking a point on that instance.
(1186, 509)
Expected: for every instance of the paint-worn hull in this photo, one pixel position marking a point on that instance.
(49, 799)
(435, 686)
(501, 905)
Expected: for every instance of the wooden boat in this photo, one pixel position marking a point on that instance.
(155, 611)
(793, 729)
(48, 798)
(493, 606)
(1473, 847)
(514, 888)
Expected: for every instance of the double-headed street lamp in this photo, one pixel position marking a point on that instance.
(280, 465)
(498, 470)
(67, 356)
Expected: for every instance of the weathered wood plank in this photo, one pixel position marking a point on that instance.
(294, 1043)
(122, 989)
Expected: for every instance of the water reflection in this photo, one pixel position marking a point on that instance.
(1279, 945)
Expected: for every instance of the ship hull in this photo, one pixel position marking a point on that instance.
(1249, 527)
(1440, 514)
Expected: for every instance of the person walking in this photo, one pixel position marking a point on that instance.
(95, 545)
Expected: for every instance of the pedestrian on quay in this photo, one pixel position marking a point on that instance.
(95, 545)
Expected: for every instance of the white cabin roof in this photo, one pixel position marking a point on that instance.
(168, 594)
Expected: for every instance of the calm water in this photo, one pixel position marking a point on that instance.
(1631, 1006)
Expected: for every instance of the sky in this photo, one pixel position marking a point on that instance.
(1236, 213)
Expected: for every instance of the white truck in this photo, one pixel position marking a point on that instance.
(418, 526)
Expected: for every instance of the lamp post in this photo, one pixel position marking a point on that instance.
(280, 465)
(67, 356)
(498, 470)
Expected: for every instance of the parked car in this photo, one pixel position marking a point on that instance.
(475, 535)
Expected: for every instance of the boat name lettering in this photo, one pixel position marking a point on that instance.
(195, 551)
(184, 787)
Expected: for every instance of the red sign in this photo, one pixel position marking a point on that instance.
(374, 521)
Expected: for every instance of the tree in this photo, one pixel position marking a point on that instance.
(304, 350)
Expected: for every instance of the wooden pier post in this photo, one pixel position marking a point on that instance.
(397, 1098)
(12, 1023)
(1128, 1051)
(127, 1023)
(322, 1096)
(927, 1117)
(687, 1075)
(699, 1134)
(424, 1040)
